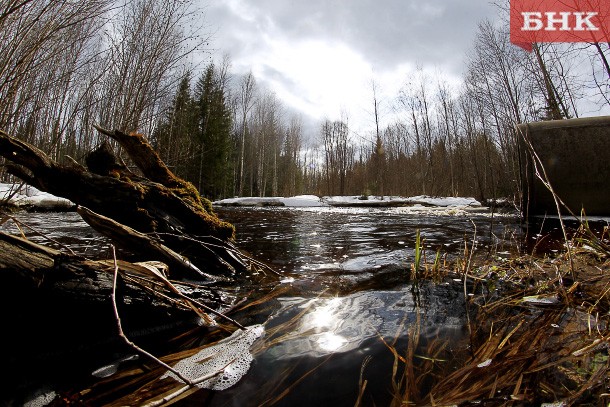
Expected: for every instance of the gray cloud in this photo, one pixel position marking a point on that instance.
(435, 34)
(386, 32)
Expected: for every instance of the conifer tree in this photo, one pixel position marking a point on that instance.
(214, 176)
(177, 132)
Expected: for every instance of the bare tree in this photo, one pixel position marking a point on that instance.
(338, 154)
(266, 129)
(378, 157)
(245, 101)
(43, 44)
(147, 49)
(291, 156)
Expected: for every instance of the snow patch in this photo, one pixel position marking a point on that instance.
(303, 201)
(391, 201)
(295, 201)
(30, 197)
(353, 201)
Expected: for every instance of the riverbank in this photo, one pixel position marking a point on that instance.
(486, 326)
(22, 196)
(545, 340)
(353, 201)
(539, 332)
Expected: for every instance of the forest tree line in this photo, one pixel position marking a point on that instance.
(128, 65)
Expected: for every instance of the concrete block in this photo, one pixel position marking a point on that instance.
(576, 157)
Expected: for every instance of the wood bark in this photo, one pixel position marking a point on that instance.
(85, 281)
(153, 213)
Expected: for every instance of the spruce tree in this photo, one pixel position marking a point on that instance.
(214, 141)
(176, 134)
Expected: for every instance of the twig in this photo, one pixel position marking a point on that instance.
(173, 289)
(13, 191)
(169, 397)
(19, 224)
(466, 270)
(189, 383)
(122, 334)
(230, 248)
(362, 382)
(543, 177)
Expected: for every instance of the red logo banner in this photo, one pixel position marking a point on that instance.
(533, 21)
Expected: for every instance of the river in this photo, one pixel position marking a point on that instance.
(345, 293)
(349, 274)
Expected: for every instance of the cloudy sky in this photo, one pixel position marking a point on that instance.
(320, 56)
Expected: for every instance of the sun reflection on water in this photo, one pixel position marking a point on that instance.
(326, 320)
(331, 342)
(325, 325)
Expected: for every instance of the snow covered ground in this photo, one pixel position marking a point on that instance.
(390, 201)
(30, 197)
(295, 201)
(352, 201)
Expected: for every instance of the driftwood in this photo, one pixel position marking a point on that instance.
(57, 309)
(47, 270)
(36, 274)
(172, 247)
(147, 213)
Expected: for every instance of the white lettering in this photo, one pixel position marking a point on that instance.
(532, 21)
(581, 22)
(564, 21)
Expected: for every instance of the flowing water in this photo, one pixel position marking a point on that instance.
(344, 294)
(347, 287)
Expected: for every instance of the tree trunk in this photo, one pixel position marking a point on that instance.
(160, 208)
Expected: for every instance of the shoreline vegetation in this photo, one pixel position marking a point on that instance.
(539, 331)
(539, 328)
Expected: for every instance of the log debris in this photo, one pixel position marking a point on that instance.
(156, 203)
(175, 244)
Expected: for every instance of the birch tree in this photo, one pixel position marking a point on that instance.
(147, 48)
(245, 101)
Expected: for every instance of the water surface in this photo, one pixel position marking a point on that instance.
(344, 295)
(350, 292)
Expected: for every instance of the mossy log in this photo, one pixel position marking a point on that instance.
(25, 263)
(156, 203)
(57, 309)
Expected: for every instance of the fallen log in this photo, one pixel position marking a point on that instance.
(133, 240)
(156, 203)
(63, 303)
(39, 268)
(58, 310)
(151, 215)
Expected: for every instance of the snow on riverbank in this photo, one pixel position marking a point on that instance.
(32, 198)
(352, 201)
(295, 201)
(391, 201)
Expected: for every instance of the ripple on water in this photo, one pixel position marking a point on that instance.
(343, 323)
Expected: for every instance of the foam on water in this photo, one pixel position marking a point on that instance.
(41, 400)
(230, 358)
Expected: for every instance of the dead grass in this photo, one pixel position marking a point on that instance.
(541, 332)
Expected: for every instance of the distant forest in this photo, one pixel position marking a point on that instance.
(128, 65)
